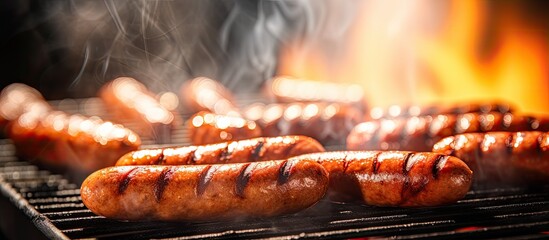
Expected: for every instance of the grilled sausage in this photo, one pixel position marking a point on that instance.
(421, 133)
(396, 111)
(290, 90)
(403, 179)
(18, 98)
(131, 101)
(501, 157)
(70, 142)
(204, 192)
(206, 127)
(250, 150)
(329, 123)
(204, 94)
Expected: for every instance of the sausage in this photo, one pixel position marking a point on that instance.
(205, 94)
(250, 150)
(421, 133)
(16, 99)
(288, 89)
(510, 158)
(70, 142)
(206, 127)
(131, 101)
(394, 178)
(396, 111)
(204, 192)
(329, 123)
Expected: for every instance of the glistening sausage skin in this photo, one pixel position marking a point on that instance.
(395, 178)
(501, 157)
(204, 192)
(250, 150)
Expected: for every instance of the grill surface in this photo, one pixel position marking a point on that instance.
(52, 203)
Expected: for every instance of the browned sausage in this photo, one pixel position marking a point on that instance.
(329, 123)
(206, 127)
(71, 142)
(501, 157)
(288, 89)
(204, 94)
(128, 100)
(18, 98)
(421, 133)
(204, 192)
(396, 111)
(404, 179)
(250, 150)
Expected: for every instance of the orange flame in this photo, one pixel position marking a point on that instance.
(399, 60)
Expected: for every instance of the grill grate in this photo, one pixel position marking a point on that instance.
(52, 203)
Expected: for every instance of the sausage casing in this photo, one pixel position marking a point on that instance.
(501, 157)
(205, 94)
(396, 111)
(395, 178)
(204, 192)
(249, 150)
(329, 123)
(421, 133)
(71, 142)
(131, 101)
(17, 99)
(206, 127)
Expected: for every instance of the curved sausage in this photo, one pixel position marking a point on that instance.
(421, 133)
(403, 179)
(329, 123)
(205, 94)
(501, 157)
(128, 99)
(204, 192)
(206, 127)
(71, 142)
(250, 150)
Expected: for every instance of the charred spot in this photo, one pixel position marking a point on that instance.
(509, 142)
(405, 165)
(125, 180)
(191, 158)
(435, 169)
(204, 179)
(284, 172)
(161, 159)
(242, 180)
(162, 182)
(257, 150)
(375, 163)
(225, 154)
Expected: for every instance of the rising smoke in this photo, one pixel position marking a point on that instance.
(69, 48)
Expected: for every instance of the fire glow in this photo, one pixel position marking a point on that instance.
(428, 52)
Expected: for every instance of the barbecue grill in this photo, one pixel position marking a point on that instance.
(39, 203)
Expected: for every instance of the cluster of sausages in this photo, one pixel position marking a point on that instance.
(58, 140)
(269, 159)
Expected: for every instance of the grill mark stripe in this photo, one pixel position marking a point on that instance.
(125, 180)
(160, 160)
(191, 158)
(242, 180)
(509, 142)
(257, 149)
(284, 172)
(405, 165)
(436, 168)
(204, 178)
(162, 181)
(225, 154)
(376, 163)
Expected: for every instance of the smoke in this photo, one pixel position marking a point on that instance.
(68, 48)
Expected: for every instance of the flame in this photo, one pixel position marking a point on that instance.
(465, 56)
